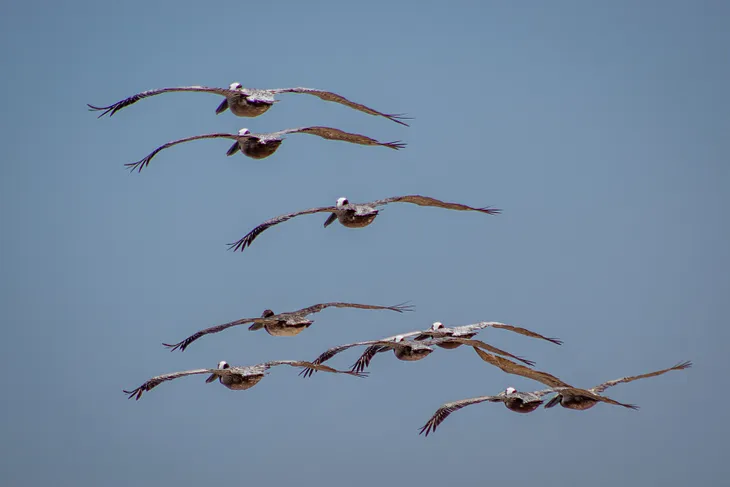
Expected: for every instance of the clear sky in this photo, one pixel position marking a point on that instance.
(600, 128)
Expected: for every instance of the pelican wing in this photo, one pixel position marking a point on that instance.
(428, 201)
(155, 381)
(333, 134)
(334, 97)
(512, 368)
(213, 329)
(466, 329)
(444, 411)
(587, 393)
(319, 307)
(114, 108)
(311, 367)
(250, 236)
(142, 163)
(328, 354)
(602, 387)
(479, 344)
(363, 361)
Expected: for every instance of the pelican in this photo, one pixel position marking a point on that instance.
(247, 102)
(438, 330)
(236, 378)
(568, 396)
(283, 324)
(355, 215)
(260, 146)
(514, 400)
(407, 350)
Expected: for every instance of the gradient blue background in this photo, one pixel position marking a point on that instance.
(601, 130)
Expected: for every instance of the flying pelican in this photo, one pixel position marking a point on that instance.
(568, 396)
(260, 146)
(247, 102)
(514, 400)
(408, 350)
(236, 378)
(283, 324)
(355, 215)
(438, 330)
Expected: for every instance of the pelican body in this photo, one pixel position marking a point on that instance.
(238, 382)
(352, 216)
(288, 324)
(245, 104)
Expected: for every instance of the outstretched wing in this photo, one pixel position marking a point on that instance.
(587, 393)
(428, 201)
(311, 367)
(512, 368)
(142, 163)
(155, 381)
(526, 332)
(479, 344)
(213, 329)
(250, 236)
(328, 354)
(363, 361)
(336, 134)
(114, 108)
(602, 387)
(319, 307)
(443, 412)
(334, 97)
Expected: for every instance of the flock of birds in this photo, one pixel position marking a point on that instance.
(409, 346)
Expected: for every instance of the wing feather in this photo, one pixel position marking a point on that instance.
(520, 330)
(319, 307)
(336, 134)
(334, 97)
(328, 354)
(602, 387)
(142, 163)
(428, 201)
(182, 345)
(512, 368)
(363, 361)
(115, 107)
(444, 411)
(479, 344)
(251, 236)
(311, 367)
(157, 380)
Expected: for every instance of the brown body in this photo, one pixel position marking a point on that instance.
(242, 107)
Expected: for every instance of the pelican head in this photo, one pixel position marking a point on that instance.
(244, 131)
(235, 86)
(267, 313)
(223, 364)
(510, 390)
(436, 325)
(342, 201)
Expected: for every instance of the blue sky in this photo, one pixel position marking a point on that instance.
(600, 130)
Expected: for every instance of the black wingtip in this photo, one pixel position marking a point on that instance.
(176, 346)
(398, 118)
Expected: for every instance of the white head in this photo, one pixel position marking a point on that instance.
(235, 86)
(510, 390)
(398, 338)
(436, 325)
(342, 201)
(223, 364)
(244, 131)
